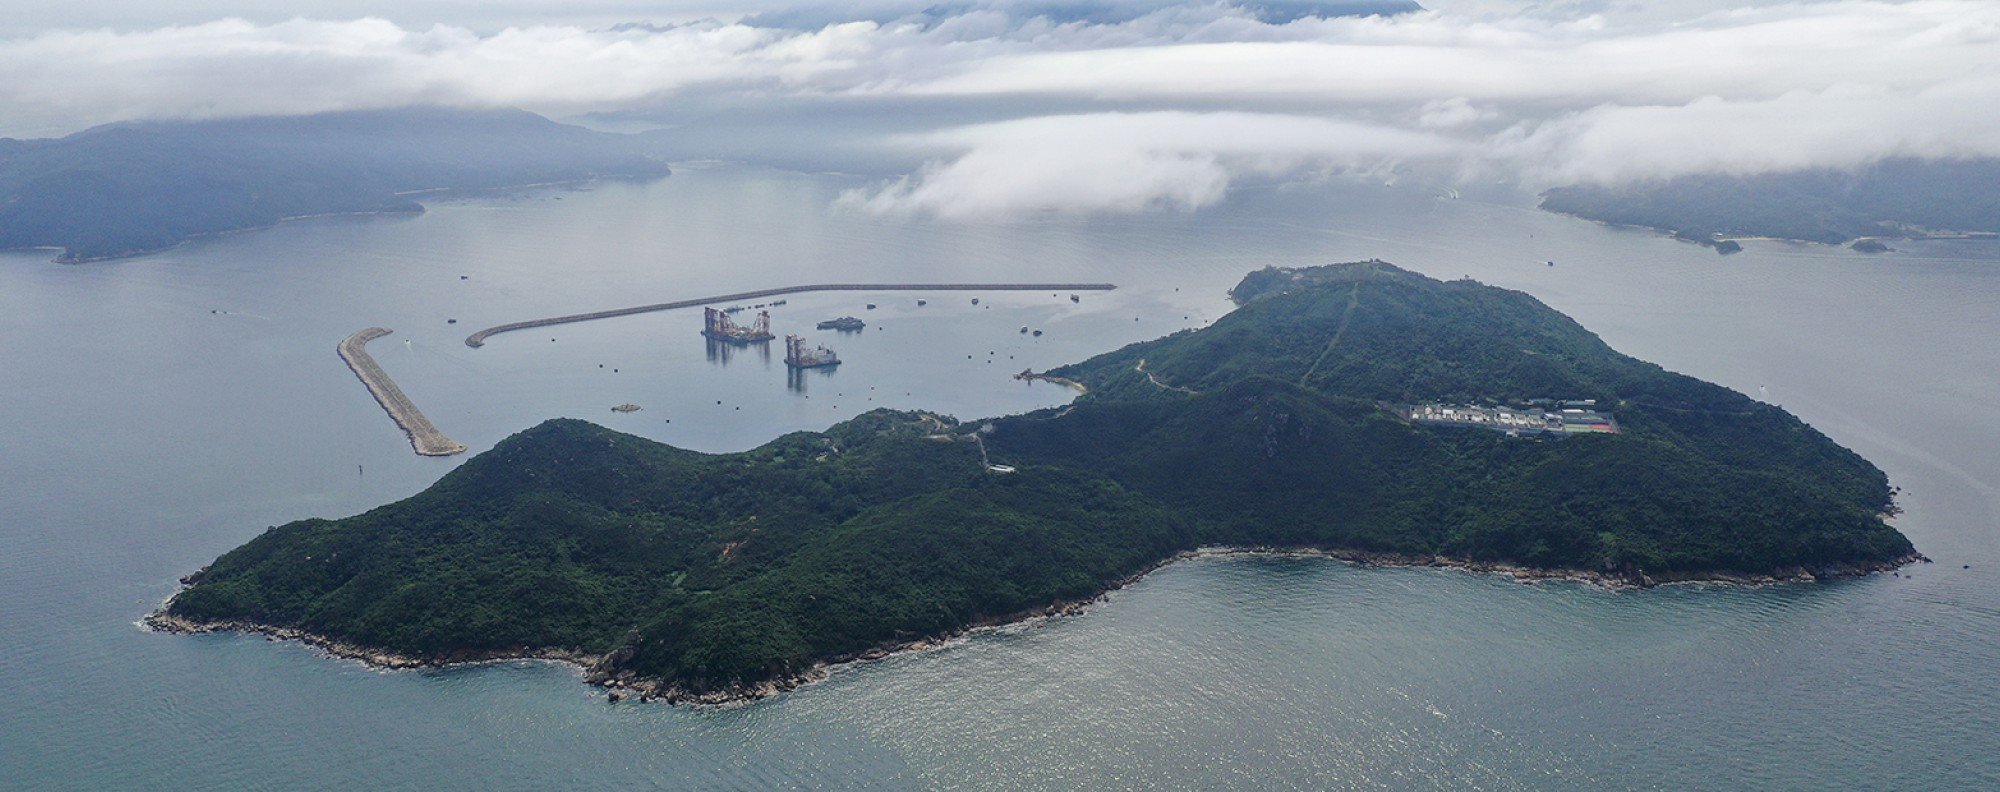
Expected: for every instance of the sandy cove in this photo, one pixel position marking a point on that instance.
(623, 684)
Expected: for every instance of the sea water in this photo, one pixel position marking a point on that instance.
(156, 412)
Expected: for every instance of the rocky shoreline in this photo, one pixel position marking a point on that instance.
(1610, 579)
(161, 621)
(601, 670)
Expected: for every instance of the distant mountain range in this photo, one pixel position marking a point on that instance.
(130, 188)
(1894, 198)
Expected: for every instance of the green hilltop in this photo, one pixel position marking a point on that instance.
(690, 575)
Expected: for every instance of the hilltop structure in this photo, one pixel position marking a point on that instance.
(1534, 420)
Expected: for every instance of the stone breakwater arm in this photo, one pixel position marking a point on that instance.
(424, 437)
(478, 339)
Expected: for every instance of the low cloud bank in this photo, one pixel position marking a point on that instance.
(1163, 106)
(1128, 162)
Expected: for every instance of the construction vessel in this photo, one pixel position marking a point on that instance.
(719, 326)
(799, 357)
(477, 340)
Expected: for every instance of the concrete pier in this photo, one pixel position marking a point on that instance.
(424, 437)
(478, 339)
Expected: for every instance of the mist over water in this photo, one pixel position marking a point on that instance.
(157, 412)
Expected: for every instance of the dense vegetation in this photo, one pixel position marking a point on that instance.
(1894, 198)
(129, 188)
(712, 572)
(730, 567)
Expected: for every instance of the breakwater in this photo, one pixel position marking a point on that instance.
(478, 339)
(424, 437)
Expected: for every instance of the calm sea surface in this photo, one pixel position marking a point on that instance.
(157, 412)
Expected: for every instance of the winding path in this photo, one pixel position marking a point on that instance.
(424, 437)
(478, 339)
(1141, 368)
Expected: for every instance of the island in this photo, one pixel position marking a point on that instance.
(1894, 198)
(1284, 426)
(131, 188)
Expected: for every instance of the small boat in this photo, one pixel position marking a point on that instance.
(1024, 328)
(921, 303)
(871, 306)
(626, 408)
(451, 321)
(975, 301)
(1075, 299)
(1038, 334)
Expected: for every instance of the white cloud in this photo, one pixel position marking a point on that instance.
(1162, 108)
(1842, 127)
(1454, 112)
(1128, 162)
(1753, 52)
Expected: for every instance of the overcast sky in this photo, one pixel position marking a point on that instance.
(1007, 106)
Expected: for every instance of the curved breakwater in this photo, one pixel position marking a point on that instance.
(424, 437)
(478, 339)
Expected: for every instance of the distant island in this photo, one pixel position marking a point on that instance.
(131, 188)
(695, 577)
(1898, 198)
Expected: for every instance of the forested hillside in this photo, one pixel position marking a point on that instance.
(691, 575)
